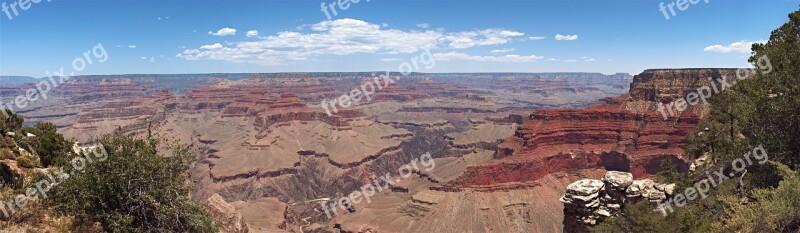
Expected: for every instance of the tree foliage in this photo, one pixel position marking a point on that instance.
(773, 210)
(134, 190)
(52, 147)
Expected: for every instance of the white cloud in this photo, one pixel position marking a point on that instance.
(566, 37)
(390, 59)
(553, 59)
(590, 59)
(451, 56)
(226, 31)
(424, 25)
(343, 37)
(536, 38)
(506, 50)
(212, 46)
(570, 60)
(132, 46)
(143, 58)
(737, 47)
(470, 39)
(252, 33)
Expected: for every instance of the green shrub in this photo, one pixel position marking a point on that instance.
(6, 153)
(9, 121)
(49, 145)
(27, 162)
(7, 142)
(135, 189)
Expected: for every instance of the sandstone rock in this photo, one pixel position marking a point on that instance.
(585, 187)
(231, 220)
(640, 188)
(669, 189)
(700, 162)
(619, 180)
(588, 201)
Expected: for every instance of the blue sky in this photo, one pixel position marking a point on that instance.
(464, 36)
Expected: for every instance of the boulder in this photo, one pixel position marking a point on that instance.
(619, 180)
(231, 220)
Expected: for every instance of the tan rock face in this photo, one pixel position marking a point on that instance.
(232, 221)
(665, 85)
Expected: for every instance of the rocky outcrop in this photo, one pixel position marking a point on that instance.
(232, 221)
(588, 202)
(665, 85)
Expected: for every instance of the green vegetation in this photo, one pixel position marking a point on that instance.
(762, 110)
(51, 146)
(773, 210)
(27, 162)
(9, 121)
(135, 190)
(132, 189)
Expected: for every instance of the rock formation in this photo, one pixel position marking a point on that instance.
(231, 220)
(623, 133)
(588, 202)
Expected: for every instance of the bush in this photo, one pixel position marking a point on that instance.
(134, 190)
(7, 142)
(6, 153)
(27, 162)
(9, 121)
(776, 210)
(51, 146)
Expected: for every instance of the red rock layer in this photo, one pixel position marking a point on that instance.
(215, 97)
(552, 141)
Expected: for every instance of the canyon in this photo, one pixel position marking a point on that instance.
(505, 145)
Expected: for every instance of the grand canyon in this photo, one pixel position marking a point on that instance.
(505, 145)
(350, 116)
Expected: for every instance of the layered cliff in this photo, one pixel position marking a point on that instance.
(625, 134)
